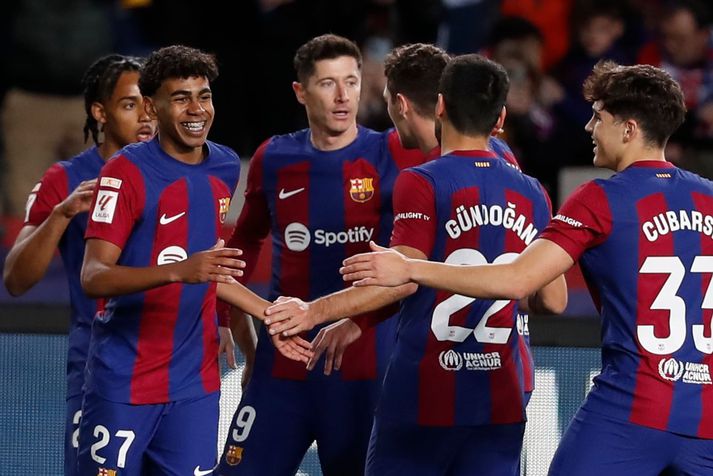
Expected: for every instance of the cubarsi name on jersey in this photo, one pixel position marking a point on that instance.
(358, 234)
(495, 215)
(679, 220)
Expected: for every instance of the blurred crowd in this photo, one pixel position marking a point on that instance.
(547, 46)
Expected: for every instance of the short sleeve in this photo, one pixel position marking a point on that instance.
(584, 221)
(414, 212)
(51, 190)
(118, 202)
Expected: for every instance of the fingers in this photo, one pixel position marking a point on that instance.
(230, 357)
(329, 360)
(318, 348)
(218, 244)
(338, 354)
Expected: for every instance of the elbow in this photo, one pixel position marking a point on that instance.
(14, 288)
(554, 306)
(89, 285)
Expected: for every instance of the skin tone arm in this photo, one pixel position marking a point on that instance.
(102, 277)
(35, 246)
(239, 296)
(290, 316)
(246, 338)
(539, 265)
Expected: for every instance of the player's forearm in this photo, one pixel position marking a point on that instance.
(102, 280)
(551, 299)
(244, 334)
(354, 301)
(241, 297)
(31, 255)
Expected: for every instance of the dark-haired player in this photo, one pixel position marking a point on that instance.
(152, 388)
(643, 240)
(56, 212)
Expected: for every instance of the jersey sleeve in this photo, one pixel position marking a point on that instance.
(414, 212)
(51, 190)
(253, 224)
(584, 221)
(118, 202)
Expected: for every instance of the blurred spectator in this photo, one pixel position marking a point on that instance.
(552, 18)
(467, 24)
(52, 43)
(684, 48)
(598, 28)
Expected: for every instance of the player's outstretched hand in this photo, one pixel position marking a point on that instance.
(289, 316)
(294, 348)
(217, 264)
(80, 200)
(334, 340)
(382, 267)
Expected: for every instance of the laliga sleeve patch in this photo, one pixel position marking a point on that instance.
(110, 182)
(105, 206)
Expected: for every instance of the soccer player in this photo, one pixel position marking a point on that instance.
(454, 396)
(643, 240)
(412, 75)
(322, 193)
(56, 213)
(152, 387)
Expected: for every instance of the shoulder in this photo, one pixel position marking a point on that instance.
(222, 152)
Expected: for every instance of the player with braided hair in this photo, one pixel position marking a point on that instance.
(56, 212)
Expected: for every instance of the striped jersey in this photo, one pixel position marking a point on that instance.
(462, 361)
(159, 345)
(56, 185)
(644, 241)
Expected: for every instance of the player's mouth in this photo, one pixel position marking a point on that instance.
(341, 114)
(144, 134)
(194, 127)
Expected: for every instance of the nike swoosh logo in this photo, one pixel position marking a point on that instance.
(283, 195)
(199, 472)
(164, 220)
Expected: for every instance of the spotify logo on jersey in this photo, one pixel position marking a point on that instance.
(297, 237)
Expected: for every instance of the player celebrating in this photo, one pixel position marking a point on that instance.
(649, 412)
(322, 193)
(56, 213)
(152, 369)
(451, 400)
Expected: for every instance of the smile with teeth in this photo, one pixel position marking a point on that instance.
(194, 126)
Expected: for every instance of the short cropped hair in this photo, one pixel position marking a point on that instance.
(474, 90)
(415, 70)
(175, 62)
(321, 48)
(644, 93)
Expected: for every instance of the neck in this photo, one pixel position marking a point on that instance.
(324, 141)
(640, 154)
(425, 132)
(187, 155)
(107, 149)
(453, 140)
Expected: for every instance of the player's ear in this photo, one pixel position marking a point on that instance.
(440, 106)
(403, 104)
(299, 91)
(98, 112)
(500, 123)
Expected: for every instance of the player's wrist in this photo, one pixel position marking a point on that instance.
(61, 210)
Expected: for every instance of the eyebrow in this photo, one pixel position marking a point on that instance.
(186, 92)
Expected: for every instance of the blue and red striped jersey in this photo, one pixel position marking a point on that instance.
(644, 242)
(57, 184)
(459, 360)
(320, 207)
(159, 345)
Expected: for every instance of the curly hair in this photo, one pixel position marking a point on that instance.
(414, 71)
(321, 48)
(175, 61)
(644, 93)
(99, 82)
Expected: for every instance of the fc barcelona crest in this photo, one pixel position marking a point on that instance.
(224, 206)
(234, 455)
(362, 189)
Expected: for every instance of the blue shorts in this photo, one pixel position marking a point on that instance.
(597, 445)
(277, 421)
(71, 434)
(397, 449)
(176, 438)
